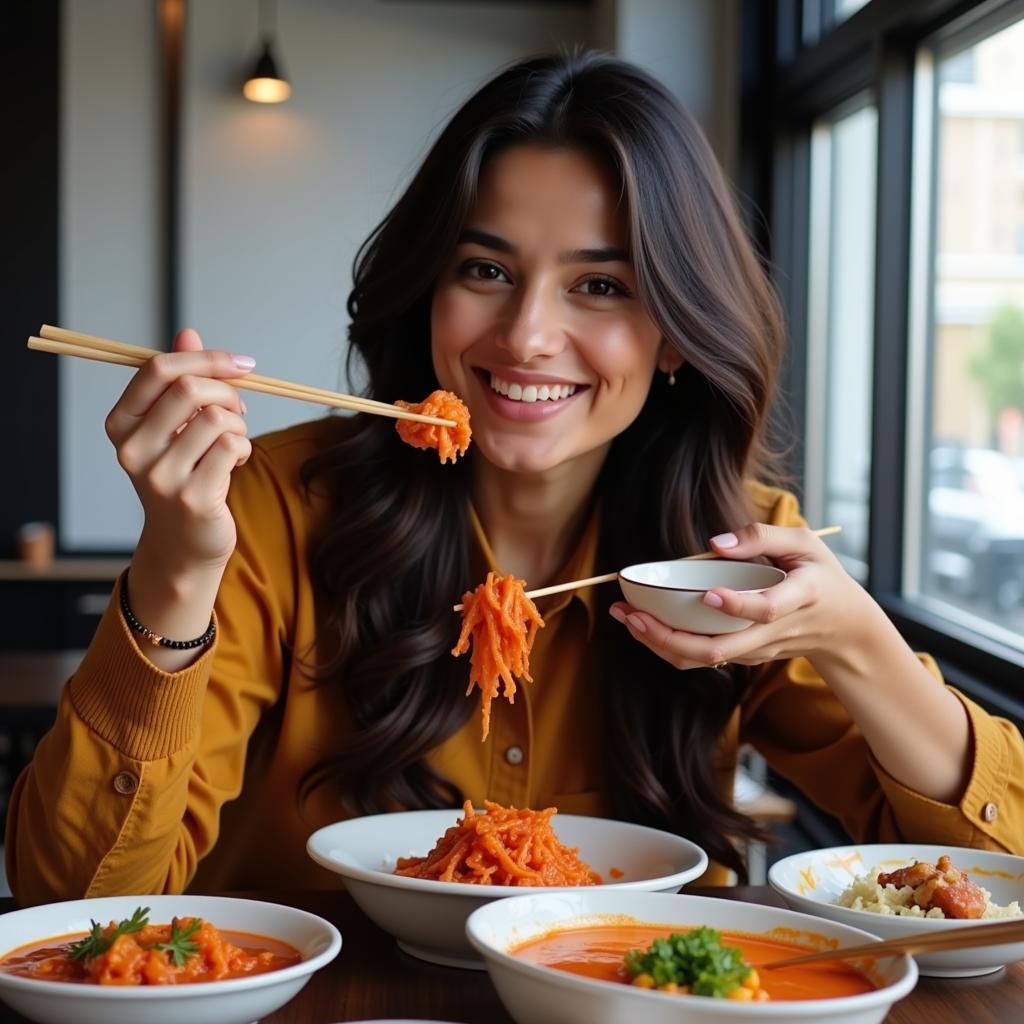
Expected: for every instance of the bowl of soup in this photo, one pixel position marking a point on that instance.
(673, 591)
(428, 916)
(561, 958)
(159, 959)
(897, 889)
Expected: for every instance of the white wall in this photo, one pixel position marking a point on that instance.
(108, 226)
(276, 200)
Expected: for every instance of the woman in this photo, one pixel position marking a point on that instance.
(569, 261)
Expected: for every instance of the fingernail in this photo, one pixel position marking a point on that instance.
(725, 540)
(713, 599)
(244, 407)
(637, 623)
(243, 362)
(617, 614)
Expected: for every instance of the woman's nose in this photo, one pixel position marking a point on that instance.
(534, 326)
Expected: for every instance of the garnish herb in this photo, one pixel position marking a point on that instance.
(181, 945)
(696, 959)
(96, 942)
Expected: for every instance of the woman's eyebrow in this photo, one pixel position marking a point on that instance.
(609, 254)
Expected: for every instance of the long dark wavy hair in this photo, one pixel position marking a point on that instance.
(387, 566)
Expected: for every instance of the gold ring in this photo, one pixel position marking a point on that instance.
(721, 665)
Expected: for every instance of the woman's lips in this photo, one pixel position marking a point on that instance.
(525, 412)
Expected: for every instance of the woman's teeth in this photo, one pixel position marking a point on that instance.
(531, 392)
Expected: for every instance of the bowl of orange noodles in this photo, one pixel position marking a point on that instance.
(451, 862)
(565, 958)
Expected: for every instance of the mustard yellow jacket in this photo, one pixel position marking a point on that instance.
(153, 782)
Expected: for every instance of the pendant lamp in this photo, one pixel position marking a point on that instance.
(266, 83)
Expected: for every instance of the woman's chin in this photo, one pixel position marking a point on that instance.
(517, 457)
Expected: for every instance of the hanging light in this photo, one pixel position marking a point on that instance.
(266, 84)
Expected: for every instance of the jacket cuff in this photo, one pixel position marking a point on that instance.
(144, 712)
(975, 819)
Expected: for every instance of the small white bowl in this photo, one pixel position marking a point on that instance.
(428, 918)
(673, 592)
(813, 881)
(533, 994)
(234, 1001)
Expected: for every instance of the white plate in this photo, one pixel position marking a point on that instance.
(428, 918)
(234, 1001)
(533, 994)
(812, 882)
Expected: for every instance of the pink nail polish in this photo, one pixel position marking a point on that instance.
(243, 362)
(725, 540)
(713, 599)
(637, 623)
(617, 614)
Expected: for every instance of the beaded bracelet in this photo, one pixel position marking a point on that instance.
(154, 638)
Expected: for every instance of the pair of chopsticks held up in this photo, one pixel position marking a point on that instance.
(88, 346)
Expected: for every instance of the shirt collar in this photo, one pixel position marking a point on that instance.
(579, 565)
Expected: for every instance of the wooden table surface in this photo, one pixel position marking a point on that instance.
(360, 984)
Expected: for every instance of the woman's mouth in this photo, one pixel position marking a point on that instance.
(525, 400)
(517, 392)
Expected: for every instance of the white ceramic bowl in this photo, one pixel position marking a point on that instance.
(428, 918)
(542, 995)
(673, 592)
(234, 1001)
(812, 882)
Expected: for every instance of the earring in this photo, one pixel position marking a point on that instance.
(671, 378)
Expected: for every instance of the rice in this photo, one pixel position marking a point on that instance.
(864, 893)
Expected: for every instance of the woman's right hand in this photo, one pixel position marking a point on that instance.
(179, 434)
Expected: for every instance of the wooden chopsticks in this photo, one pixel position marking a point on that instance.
(608, 577)
(997, 933)
(105, 350)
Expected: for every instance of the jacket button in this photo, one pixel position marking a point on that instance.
(514, 755)
(989, 813)
(126, 783)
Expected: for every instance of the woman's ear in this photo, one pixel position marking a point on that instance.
(669, 358)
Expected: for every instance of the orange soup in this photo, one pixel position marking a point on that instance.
(149, 956)
(599, 951)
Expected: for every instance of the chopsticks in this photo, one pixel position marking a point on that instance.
(105, 350)
(998, 933)
(608, 577)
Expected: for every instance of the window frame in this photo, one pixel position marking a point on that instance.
(788, 86)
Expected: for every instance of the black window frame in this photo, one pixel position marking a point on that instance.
(787, 85)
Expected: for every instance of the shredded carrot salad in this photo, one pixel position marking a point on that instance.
(502, 846)
(450, 442)
(502, 623)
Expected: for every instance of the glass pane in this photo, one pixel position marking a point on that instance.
(844, 8)
(821, 16)
(972, 557)
(841, 329)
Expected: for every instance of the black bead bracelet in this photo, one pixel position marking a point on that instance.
(154, 638)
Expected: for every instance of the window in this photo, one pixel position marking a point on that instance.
(894, 191)
(967, 559)
(821, 16)
(841, 328)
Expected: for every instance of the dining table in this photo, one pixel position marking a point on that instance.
(372, 979)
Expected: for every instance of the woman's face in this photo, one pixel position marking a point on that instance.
(535, 321)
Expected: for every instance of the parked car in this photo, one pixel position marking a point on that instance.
(975, 544)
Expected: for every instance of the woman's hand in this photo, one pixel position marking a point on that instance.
(819, 612)
(816, 609)
(179, 434)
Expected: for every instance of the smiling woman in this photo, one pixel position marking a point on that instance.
(547, 334)
(569, 261)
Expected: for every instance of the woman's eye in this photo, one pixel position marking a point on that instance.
(477, 271)
(602, 287)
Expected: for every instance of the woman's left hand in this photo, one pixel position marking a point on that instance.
(816, 608)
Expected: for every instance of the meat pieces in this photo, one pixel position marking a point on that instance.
(939, 885)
